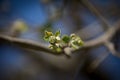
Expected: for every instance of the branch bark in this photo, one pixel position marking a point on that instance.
(41, 47)
(25, 43)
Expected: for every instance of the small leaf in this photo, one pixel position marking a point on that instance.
(72, 36)
(46, 38)
(66, 39)
(57, 33)
(57, 44)
(80, 43)
(47, 35)
(52, 39)
(58, 39)
(74, 46)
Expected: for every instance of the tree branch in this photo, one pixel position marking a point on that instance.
(25, 43)
(41, 47)
(103, 38)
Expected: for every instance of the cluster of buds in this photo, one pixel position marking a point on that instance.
(58, 43)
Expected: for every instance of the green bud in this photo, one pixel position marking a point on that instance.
(57, 33)
(47, 35)
(66, 39)
(51, 47)
(58, 49)
(72, 36)
(58, 38)
(52, 39)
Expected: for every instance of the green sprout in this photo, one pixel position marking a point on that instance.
(58, 43)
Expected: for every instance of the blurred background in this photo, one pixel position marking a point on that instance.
(27, 19)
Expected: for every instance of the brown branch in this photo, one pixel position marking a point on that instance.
(40, 47)
(98, 41)
(25, 43)
(103, 38)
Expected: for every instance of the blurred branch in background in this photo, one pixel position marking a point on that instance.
(94, 64)
(94, 10)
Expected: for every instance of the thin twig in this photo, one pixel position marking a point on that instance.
(97, 14)
(94, 64)
(111, 48)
